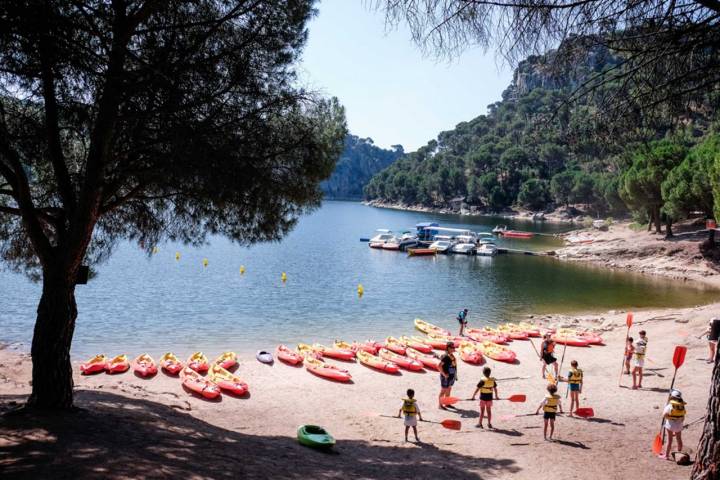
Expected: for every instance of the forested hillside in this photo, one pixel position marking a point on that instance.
(535, 150)
(360, 160)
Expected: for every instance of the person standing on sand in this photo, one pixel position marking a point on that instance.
(487, 386)
(462, 319)
(640, 350)
(412, 413)
(674, 414)
(550, 406)
(575, 385)
(448, 373)
(629, 351)
(713, 333)
(546, 356)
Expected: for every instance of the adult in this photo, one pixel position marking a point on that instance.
(462, 320)
(713, 333)
(448, 373)
(547, 356)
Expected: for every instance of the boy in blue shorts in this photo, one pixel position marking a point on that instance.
(575, 383)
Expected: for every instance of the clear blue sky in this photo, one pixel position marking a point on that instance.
(390, 91)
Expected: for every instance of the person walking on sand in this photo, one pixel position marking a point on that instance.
(550, 406)
(546, 356)
(629, 352)
(448, 373)
(713, 333)
(462, 320)
(640, 350)
(575, 384)
(674, 414)
(487, 386)
(411, 410)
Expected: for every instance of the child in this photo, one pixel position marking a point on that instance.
(575, 384)
(412, 413)
(640, 349)
(674, 414)
(486, 387)
(629, 352)
(550, 406)
(547, 358)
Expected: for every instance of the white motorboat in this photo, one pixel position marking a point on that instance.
(441, 246)
(384, 236)
(464, 248)
(499, 229)
(487, 250)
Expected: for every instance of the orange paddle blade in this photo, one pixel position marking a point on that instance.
(585, 412)
(451, 424)
(449, 400)
(679, 356)
(629, 319)
(516, 398)
(657, 444)
(551, 378)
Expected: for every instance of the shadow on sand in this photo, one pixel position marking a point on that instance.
(113, 436)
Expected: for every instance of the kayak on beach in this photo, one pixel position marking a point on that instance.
(429, 360)
(428, 328)
(404, 362)
(226, 380)
(227, 360)
(322, 369)
(119, 364)
(198, 362)
(394, 345)
(469, 353)
(170, 363)
(315, 437)
(96, 364)
(288, 356)
(336, 353)
(496, 352)
(199, 384)
(420, 346)
(376, 362)
(144, 365)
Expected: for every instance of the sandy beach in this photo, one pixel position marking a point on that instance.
(128, 427)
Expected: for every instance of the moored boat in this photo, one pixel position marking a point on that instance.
(418, 252)
(517, 234)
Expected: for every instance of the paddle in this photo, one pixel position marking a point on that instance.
(517, 398)
(447, 423)
(449, 400)
(629, 322)
(562, 360)
(678, 359)
(585, 412)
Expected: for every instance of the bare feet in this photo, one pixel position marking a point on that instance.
(479, 425)
(490, 426)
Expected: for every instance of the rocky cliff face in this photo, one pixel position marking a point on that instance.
(360, 160)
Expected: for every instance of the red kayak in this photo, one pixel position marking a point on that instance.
(430, 361)
(199, 384)
(394, 345)
(145, 366)
(119, 364)
(336, 353)
(376, 362)
(368, 347)
(418, 252)
(480, 336)
(227, 381)
(404, 362)
(470, 354)
(322, 369)
(198, 362)
(570, 341)
(436, 343)
(419, 346)
(171, 364)
(288, 356)
(227, 360)
(96, 364)
(516, 234)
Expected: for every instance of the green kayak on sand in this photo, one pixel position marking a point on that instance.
(314, 436)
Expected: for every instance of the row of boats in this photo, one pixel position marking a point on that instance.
(413, 353)
(431, 239)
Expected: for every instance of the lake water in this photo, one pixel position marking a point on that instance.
(155, 304)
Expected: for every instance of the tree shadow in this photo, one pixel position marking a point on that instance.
(568, 443)
(113, 437)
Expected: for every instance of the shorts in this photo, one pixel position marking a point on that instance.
(640, 362)
(674, 426)
(411, 421)
(486, 403)
(447, 382)
(549, 415)
(549, 359)
(574, 387)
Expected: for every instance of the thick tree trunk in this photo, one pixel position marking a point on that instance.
(52, 383)
(707, 463)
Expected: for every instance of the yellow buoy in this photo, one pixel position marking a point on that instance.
(242, 269)
(283, 277)
(360, 290)
(155, 250)
(177, 256)
(205, 262)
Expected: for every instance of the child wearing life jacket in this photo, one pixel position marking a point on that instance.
(547, 356)
(550, 406)
(640, 350)
(674, 414)
(629, 352)
(575, 384)
(412, 413)
(487, 386)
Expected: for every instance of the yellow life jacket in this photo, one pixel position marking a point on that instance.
(678, 410)
(409, 408)
(487, 385)
(576, 376)
(640, 349)
(551, 403)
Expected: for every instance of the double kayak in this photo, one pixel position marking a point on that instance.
(194, 382)
(334, 352)
(227, 360)
(322, 369)
(144, 365)
(198, 362)
(288, 356)
(307, 351)
(96, 364)
(420, 346)
(227, 381)
(376, 362)
(119, 364)
(429, 360)
(404, 362)
(470, 354)
(395, 345)
(496, 352)
(428, 328)
(314, 436)
(171, 364)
